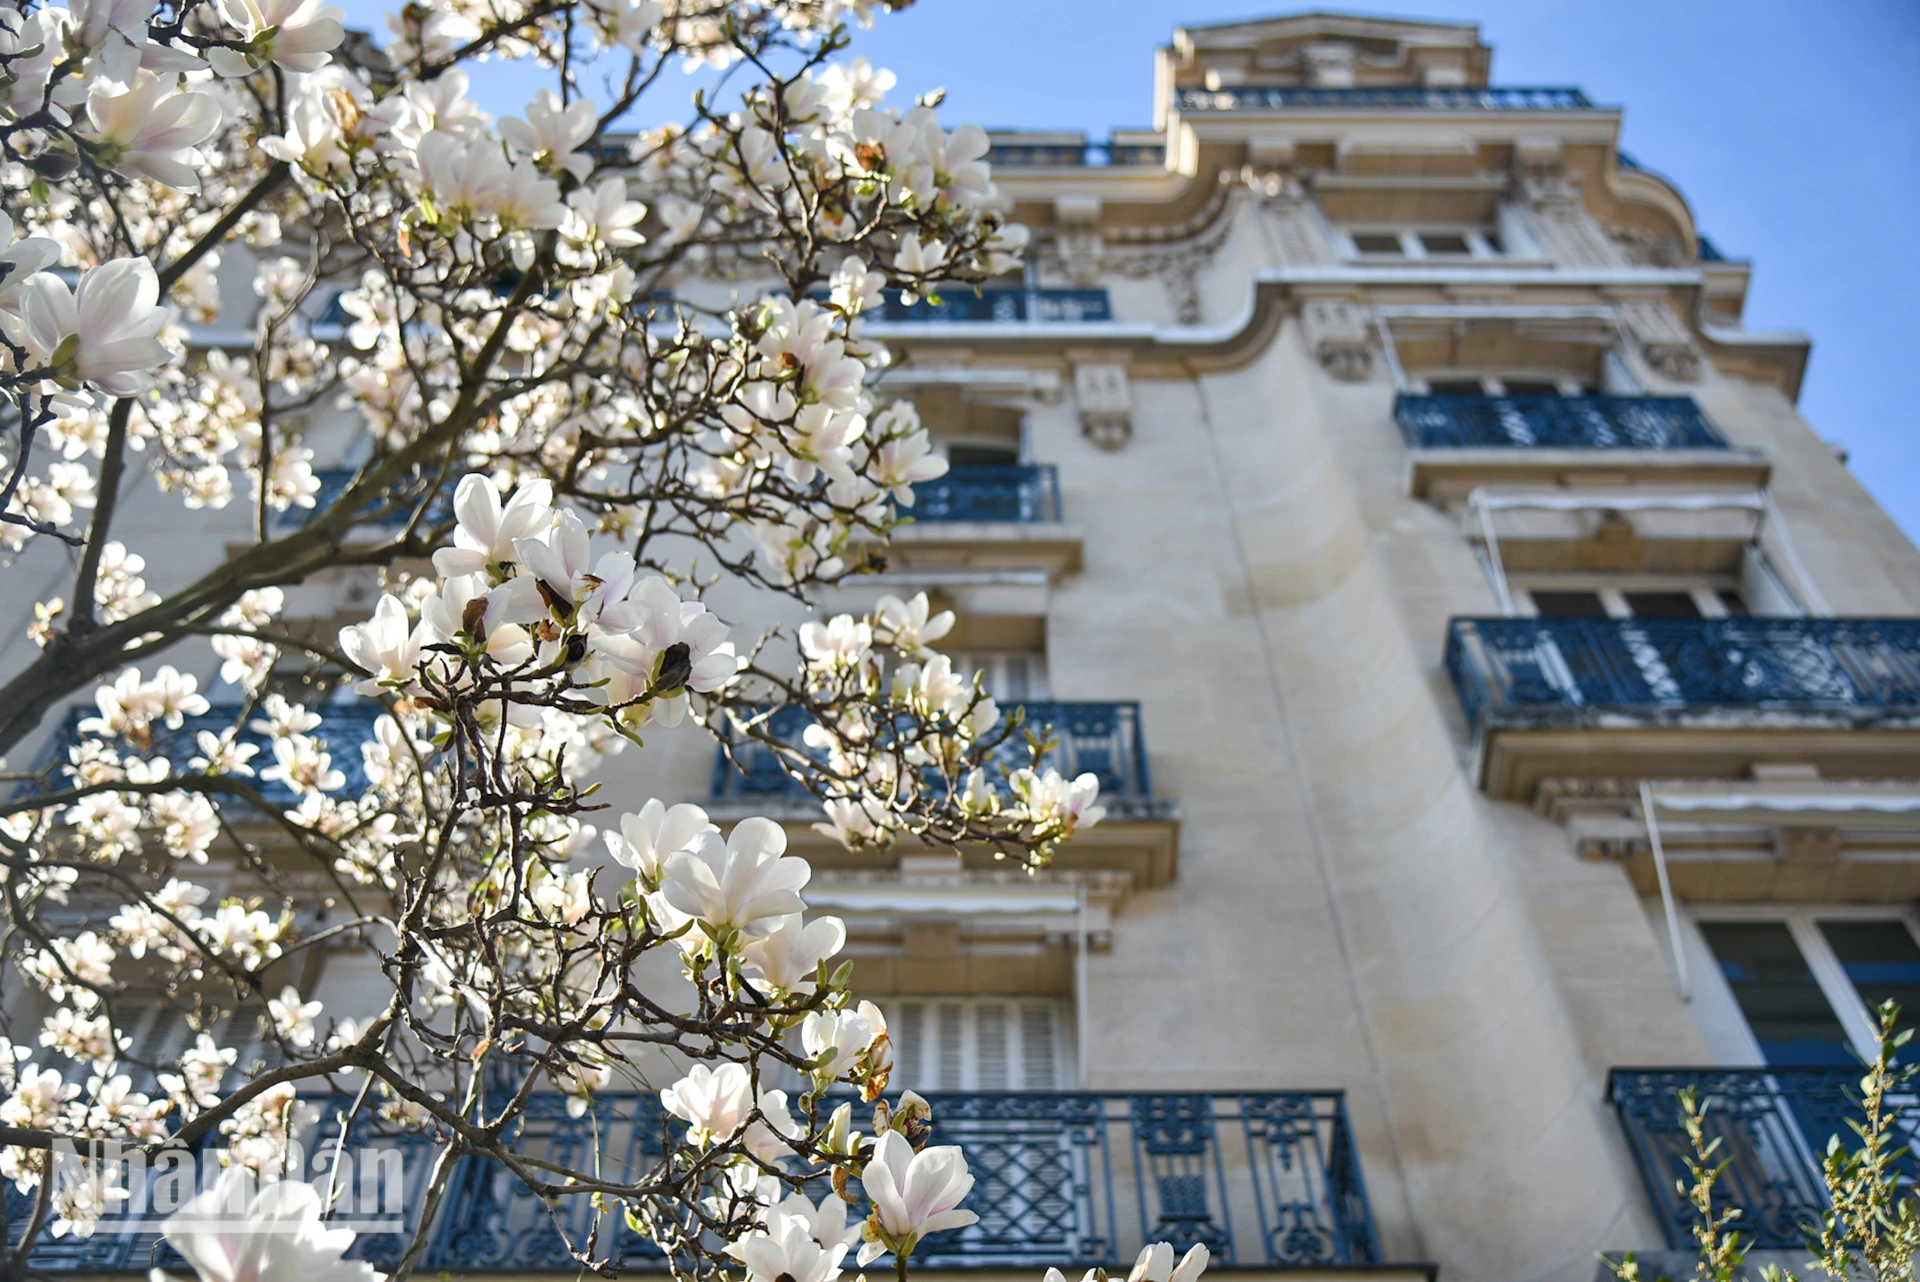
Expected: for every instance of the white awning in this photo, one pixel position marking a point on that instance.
(971, 899)
(1616, 501)
(1852, 806)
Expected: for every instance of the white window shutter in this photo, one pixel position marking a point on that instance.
(978, 1043)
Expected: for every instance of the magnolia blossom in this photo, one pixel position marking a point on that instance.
(657, 831)
(103, 333)
(235, 1232)
(387, 646)
(740, 887)
(295, 34)
(487, 532)
(713, 1102)
(788, 957)
(913, 1194)
(787, 1251)
(151, 129)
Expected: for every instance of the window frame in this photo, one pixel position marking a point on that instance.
(1705, 589)
(1724, 1025)
(1479, 247)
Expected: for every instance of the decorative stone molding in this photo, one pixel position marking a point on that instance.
(1105, 398)
(1663, 341)
(1564, 222)
(1340, 333)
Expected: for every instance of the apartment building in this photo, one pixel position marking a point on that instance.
(1507, 705)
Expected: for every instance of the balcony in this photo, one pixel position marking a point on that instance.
(1103, 738)
(1074, 1180)
(1406, 98)
(964, 306)
(343, 728)
(1686, 698)
(1075, 155)
(390, 513)
(1140, 834)
(1024, 495)
(1462, 442)
(1772, 1124)
(994, 520)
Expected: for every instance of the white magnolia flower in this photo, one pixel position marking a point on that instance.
(786, 1251)
(834, 1039)
(103, 333)
(387, 646)
(826, 1221)
(292, 1018)
(302, 33)
(713, 1102)
(744, 885)
(657, 831)
(486, 532)
(235, 1232)
(913, 1194)
(1155, 1264)
(907, 625)
(788, 957)
(151, 129)
(551, 134)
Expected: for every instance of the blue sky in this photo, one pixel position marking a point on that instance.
(1793, 128)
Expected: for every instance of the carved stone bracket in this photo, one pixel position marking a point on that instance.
(1105, 399)
(1663, 341)
(1340, 334)
(1570, 230)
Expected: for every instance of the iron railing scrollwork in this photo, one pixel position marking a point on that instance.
(343, 728)
(1028, 494)
(1555, 422)
(1509, 671)
(1035, 155)
(1102, 738)
(1772, 1125)
(958, 303)
(1070, 1179)
(1392, 98)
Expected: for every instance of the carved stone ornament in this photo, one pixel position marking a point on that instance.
(1663, 341)
(1560, 215)
(1340, 334)
(1105, 399)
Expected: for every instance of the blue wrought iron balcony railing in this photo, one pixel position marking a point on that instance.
(963, 304)
(343, 728)
(387, 513)
(1103, 738)
(1086, 155)
(1403, 98)
(1580, 671)
(1075, 1180)
(1772, 1125)
(1027, 495)
(1555, 423)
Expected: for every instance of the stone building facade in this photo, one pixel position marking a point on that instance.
(1372, 479)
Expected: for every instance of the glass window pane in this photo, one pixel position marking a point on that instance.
(1531, 387)
(1493, 241)
(1735, 603)
(1568, 605)
(1777, 993)
(1448, 242)
(1662, 605)
(1883, 962)
(1377, 242)
(1455, 387)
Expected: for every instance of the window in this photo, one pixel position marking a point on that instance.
(1805, 982)
(979, 455)
(1010, 676)
(1367, 242)
(1439, 242)
(1455, 387)
(1569, 605)
(1529, 387)
(1582, 598)
(979, 1043)
(1662, 605)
